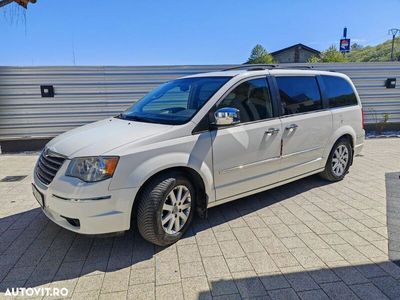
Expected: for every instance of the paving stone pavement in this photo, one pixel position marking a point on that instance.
(306, 240)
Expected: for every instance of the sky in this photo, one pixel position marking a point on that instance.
(175, 32)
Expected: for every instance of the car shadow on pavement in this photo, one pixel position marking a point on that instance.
(36, 252)
(255, 204)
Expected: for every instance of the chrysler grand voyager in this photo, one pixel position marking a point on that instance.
(196, 142)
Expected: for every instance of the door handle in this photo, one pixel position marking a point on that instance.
(291, 127)
(272, 131)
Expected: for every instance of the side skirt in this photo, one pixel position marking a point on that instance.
(267, 187)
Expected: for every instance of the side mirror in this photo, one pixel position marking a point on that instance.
(227, 116)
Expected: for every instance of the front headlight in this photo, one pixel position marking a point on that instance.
(92, 169)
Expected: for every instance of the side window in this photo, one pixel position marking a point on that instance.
(339, 92)
(252, 98)
(299, 94)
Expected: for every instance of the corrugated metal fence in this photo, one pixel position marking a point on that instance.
(87, 94)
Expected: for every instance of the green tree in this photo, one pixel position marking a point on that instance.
(259, 55)
(314, 59)
(329, 55)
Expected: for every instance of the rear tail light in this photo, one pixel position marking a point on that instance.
(362, 119)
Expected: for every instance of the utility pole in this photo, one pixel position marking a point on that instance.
(393, 32)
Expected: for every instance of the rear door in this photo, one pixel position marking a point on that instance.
(307, 125)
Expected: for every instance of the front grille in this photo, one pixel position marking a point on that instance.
(47, 166)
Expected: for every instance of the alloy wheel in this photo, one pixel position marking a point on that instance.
(176, 209)
(340, 160)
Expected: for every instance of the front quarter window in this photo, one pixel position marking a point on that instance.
(175, 102)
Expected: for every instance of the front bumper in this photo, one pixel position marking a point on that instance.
(98, 209)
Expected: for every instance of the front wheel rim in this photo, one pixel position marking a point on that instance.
(340, 160)
(176, 209)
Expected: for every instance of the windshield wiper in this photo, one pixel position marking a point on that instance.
(134, 118)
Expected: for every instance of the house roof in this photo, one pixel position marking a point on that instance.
(23, 3)
(295, 46)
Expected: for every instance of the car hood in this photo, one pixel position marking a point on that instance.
(102, 136)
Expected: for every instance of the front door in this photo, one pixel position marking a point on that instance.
(247, 156)
(306, 126)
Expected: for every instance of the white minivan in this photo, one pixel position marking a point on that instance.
(196, 142)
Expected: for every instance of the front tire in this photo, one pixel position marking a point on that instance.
(339, 161)
(166, 208)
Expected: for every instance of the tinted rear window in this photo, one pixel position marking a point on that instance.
(339, 92)
(299, 94)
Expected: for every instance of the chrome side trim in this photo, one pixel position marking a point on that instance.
(301, 152)
(266, 160)
(261, 189)
(83, 199)
(249, 165)
(269, 173)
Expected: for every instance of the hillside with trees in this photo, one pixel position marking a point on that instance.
(361, 53)
(358, 53)
(379, 52)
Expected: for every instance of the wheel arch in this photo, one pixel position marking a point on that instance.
(195, 178)
(349, 138)
(346, 132)
(342, 132)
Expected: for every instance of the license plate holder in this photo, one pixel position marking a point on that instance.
(38, 196)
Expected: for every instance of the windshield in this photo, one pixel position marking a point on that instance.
(175, 102)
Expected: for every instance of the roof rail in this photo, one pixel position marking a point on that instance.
(258, 67)
(294, 67)
(252, 67)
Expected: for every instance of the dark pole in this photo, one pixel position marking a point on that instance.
(345, 37)
(393, 32)
(391, 53)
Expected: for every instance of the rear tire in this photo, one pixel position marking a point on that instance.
(339, 161)
(166, 208)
